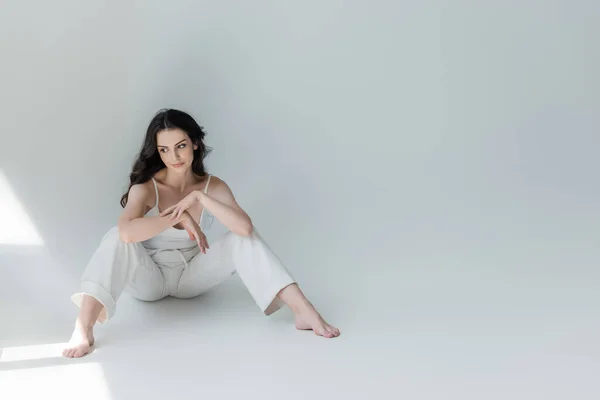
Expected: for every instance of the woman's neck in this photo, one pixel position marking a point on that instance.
(179, 181)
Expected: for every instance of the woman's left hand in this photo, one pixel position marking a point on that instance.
(183, 205)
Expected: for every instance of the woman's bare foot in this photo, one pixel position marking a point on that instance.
(81, 341)
(310, 319)
(307, 317)
(83, 335)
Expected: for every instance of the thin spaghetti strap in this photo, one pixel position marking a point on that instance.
(206, 186)
(202, 212)
(155, 191)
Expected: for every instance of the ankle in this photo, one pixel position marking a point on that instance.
(302, 306)
(294, 298)
(84, 324)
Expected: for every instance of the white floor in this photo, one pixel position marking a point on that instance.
(415, 333)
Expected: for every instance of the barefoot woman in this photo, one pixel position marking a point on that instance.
(158, 248)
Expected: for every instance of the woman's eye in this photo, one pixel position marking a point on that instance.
(182, 145)
(163, 150)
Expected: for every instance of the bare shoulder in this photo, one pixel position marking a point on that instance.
(217, 185)
(140, 189)
(219, 189)
(215, 182)
(142, 192)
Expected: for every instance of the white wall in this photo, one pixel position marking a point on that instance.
(430, 148)
(407, 145)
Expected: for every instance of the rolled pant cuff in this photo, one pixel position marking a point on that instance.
(99, 293)
(272, 303)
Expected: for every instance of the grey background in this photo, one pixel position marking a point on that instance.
(427, 171)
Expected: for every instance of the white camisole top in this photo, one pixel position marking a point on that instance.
(173, 238)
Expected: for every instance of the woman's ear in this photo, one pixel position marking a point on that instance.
(195, 146)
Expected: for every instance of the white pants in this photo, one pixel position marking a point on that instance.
(150, 275)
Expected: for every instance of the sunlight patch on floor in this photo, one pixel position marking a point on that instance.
(16, 227)
(73, 381)
(34, 352)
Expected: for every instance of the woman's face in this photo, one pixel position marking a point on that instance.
(176, 149)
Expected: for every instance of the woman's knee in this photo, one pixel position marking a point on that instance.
(254, 236)
(112, 235)
(145, 294)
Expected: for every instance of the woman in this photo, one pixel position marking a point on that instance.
(152, 254)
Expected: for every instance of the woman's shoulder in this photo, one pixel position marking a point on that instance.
(219, 189)
(138, 195)
(142, 189)
(215, 182)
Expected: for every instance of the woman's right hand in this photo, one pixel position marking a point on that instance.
(194, 231)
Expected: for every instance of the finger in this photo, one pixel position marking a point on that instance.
(203, 240)
(167, 211)
(192, 235)
(175, 213)
(196, 238)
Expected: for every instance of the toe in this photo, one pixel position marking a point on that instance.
(327, 334)
(332, 330)
(80, 352)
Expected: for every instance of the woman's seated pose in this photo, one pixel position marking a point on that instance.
(159, 249)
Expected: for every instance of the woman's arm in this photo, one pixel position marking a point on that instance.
(133, 226)
(222, 204)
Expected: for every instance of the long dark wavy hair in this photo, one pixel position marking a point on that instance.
(148, 161)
